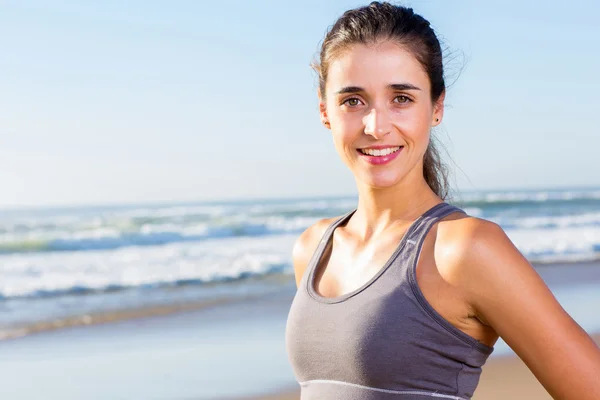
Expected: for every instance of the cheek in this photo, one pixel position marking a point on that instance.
(415, 125)
(413, 117)
(345, 121)
(343, 139)
(346, 130)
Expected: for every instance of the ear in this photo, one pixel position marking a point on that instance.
(438, 110)
(323, 111)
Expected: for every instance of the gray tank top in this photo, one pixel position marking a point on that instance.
(382, 341)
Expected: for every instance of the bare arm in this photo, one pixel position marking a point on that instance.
(507, 292)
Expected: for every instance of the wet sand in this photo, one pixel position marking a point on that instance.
(220, 348)
(223, 350)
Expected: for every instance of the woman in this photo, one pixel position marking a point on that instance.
(405, 296)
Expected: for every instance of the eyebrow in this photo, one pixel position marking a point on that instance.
(393, 86)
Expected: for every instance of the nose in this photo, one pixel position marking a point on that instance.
(377, 123)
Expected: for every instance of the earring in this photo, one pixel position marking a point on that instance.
(437, 119)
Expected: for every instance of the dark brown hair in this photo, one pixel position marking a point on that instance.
(384, 21)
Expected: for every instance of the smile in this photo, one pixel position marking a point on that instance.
(380, 152)
(380, 156)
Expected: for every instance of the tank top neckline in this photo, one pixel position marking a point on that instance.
(326, 240)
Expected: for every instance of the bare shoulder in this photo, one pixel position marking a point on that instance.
(473, 250)
(506, 292)
(306, 244)
(458, 235)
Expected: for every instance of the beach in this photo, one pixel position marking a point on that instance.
(224, 350)
(182, 302)
(213, 351)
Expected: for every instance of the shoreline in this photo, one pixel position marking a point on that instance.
(556, 274)
(217, 347)
(226, 350)
(269, 286)
(115, 316)
(503, 377)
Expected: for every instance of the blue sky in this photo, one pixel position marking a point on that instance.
(144, 101)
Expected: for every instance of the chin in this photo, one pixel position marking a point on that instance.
(381, 181)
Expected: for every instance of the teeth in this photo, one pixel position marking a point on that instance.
(380, 152)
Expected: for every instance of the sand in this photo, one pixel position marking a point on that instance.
(220, 349)
(502, 378)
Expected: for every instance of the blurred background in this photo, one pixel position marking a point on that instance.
(158, 160)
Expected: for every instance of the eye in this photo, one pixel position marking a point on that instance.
(352, 101)
(403, 99)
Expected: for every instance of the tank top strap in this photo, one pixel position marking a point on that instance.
(427, 220)
(409, 246)
(316, 256)
(416, 235)
(416, 238)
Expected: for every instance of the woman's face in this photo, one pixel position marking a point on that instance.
(378, 101)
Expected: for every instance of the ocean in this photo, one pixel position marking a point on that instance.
(71, 266)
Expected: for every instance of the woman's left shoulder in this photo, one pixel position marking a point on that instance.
(482, 259)
(468, 239)
(504, 289)
(478, 257)
(466, 228)
(474, 255)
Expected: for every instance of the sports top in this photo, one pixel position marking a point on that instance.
(382, 341)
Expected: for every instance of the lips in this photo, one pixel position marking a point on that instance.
(379, 155)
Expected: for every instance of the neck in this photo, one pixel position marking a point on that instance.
(379, 209)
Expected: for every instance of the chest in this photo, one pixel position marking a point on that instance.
(371, 337)
(345, 268)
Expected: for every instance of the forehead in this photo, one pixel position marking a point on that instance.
(375, 66)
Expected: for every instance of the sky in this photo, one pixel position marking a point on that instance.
(167, 101)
